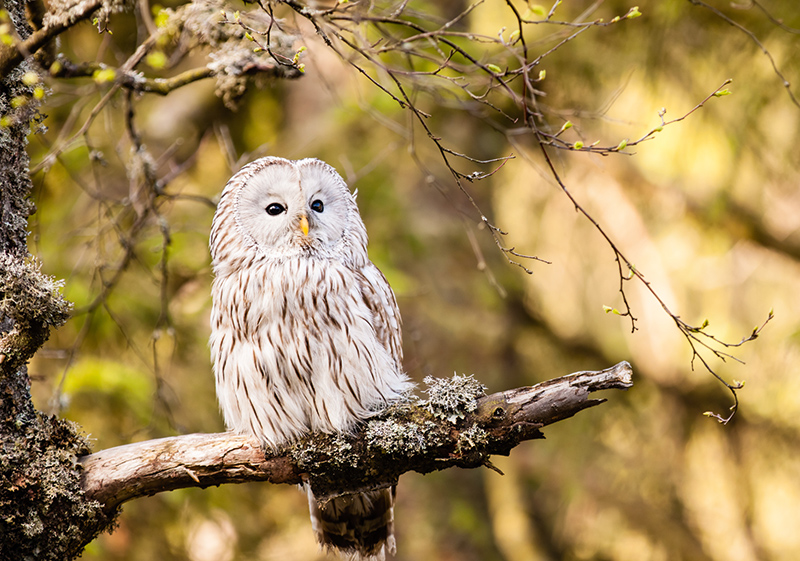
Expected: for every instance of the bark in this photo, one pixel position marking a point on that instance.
(407, 437)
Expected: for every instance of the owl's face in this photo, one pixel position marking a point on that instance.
(293, 208)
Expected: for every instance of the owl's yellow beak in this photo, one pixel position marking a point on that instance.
(304, 224)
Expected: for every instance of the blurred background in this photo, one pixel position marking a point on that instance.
(708, 210)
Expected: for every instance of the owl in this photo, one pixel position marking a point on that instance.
(305, 329)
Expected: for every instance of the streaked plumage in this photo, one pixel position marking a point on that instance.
(305, 330)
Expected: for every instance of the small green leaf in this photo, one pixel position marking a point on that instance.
(104, 75)
(542, 75)
(565, 126)
(633, 13)
(296, 56)
(578, 145)
(494, 68)
(659, 128)
(514, 35)
(720, 93)
(607, 309)
(156, 60)
(615, 19)
(739, 384)
(622, 145)
(161, 19)
(302, 68)
(38, 92)
(538, 10)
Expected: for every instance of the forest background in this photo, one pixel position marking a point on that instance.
(707, 210)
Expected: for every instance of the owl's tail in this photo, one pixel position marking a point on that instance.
(359, 527)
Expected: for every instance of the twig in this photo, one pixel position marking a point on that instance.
(786, 84)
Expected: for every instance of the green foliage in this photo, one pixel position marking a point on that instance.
(112, 386)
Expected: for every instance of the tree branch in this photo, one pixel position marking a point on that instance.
(130, 79)
(137, 82)
(406, 437)
(11, 55)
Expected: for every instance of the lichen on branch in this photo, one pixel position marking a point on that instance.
(32, 300)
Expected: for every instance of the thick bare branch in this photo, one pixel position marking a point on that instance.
(407, 437)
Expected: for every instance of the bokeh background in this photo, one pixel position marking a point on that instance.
(708, 210)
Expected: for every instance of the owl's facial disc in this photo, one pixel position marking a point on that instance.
(290, 208)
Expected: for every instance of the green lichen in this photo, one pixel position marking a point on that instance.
(472, 439)
(393, 437)
(30, 305)
(29, 296)
(334, 451)
(452, 398)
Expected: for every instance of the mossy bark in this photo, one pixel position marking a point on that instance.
(44, 513)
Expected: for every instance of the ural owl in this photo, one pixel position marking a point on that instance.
(305, 330)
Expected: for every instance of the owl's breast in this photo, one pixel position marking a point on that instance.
(306, 295)
(304, 344)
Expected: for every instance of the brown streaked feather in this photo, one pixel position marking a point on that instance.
(361, 525)
(380, 299)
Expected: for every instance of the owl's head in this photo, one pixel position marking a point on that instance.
(277, 208)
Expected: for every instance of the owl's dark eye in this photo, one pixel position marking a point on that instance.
(317, 206)
(274, 209)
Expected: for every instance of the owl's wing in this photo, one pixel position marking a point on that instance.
(380, 299)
